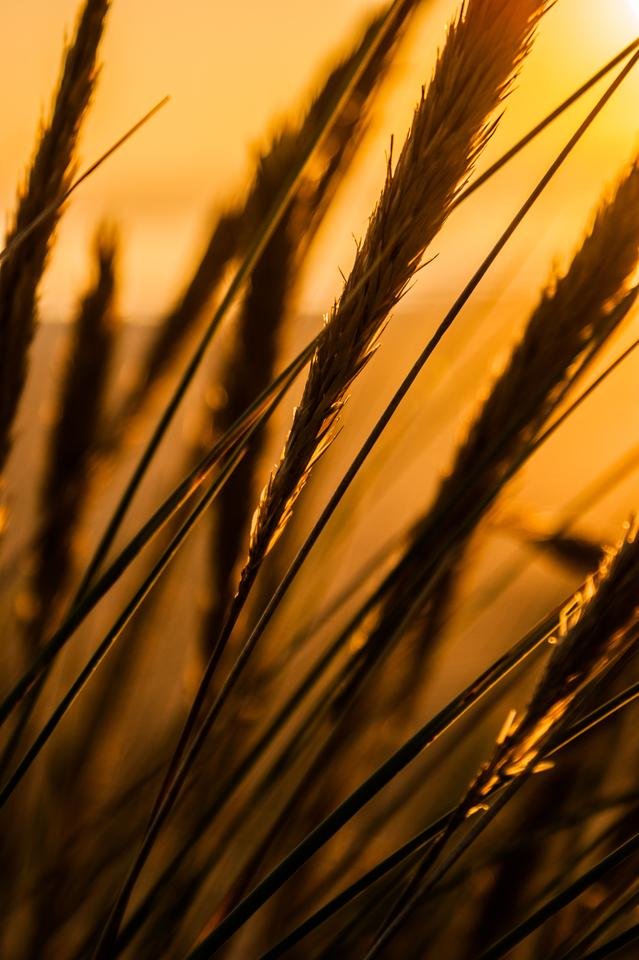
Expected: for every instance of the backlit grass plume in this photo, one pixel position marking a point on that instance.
(321, 800)
(576, 314)
(73, 443)
(47, 179)
(450, 127)
(596, 628)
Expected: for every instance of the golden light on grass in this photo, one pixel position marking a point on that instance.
(359, 644)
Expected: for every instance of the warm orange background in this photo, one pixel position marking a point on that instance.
(231, 69)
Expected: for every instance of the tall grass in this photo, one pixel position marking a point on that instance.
(319, 789)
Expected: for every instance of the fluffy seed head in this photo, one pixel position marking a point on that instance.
(483, 50)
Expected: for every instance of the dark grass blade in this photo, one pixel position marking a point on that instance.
(408, 849)
(14, 243)
(165, 512)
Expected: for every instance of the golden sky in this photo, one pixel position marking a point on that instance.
(231, 69)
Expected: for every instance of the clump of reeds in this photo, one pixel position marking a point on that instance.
(47, 180)
(266, 818)
(450, 126)
(596, 629)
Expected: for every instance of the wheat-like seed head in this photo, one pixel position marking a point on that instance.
(596, 627)
(484, 47)
(575, 314)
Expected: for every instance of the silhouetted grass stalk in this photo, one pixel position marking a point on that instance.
(345, 483)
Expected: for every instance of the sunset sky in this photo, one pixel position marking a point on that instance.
(231, 70)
